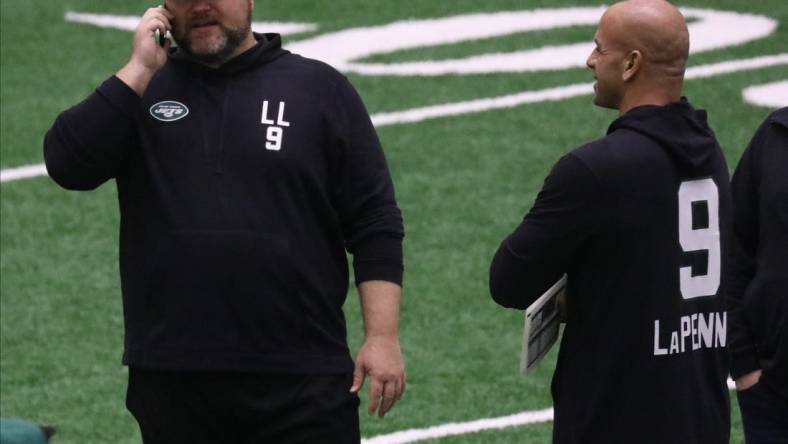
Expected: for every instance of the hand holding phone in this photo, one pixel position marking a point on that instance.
(162, 36)
(155, 24)
(161, 39)
(151, 40)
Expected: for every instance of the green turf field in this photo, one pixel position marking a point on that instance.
(463, 183)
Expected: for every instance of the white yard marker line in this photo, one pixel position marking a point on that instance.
(346, 49)
(772, 95)
(480, 105)
(460, 428)
(562, 92)
(23, 172)
(129, 23)
(731, 66)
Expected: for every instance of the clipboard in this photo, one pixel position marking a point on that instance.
(542, 322)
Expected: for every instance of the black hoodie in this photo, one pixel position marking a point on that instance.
(758, 290)
(642, 357)
(240, 189)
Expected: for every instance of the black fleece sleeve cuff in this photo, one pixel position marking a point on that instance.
(378, 259)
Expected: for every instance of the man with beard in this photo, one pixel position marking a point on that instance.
(637, 220)
(244, 173)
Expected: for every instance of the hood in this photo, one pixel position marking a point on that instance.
(268, 48)
(678, 128)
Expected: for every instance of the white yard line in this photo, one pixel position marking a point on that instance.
(130, 22)
(478, 425)
(773, 95)
(559, 93)
(23, 172)
(731, 66)
(346, 49)
(460, 428)
(481, 105)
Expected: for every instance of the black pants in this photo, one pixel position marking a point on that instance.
(764, 414)
(242, 408)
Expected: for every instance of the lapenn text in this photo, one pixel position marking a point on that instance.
(696, 331)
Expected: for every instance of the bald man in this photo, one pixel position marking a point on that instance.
(638, 221)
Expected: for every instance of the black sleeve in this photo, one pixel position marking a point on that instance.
(742, 258)
(538, 252)
(371, 221)
(88, 143)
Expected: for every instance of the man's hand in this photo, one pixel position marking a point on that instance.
(380, 355)
(381, 358)
(147, 56)
(746, 381)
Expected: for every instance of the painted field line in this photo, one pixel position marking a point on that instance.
(731, 66)
(481, 105)
(23, 172)
(460, 428)
(130, 22)
(773, 95)
(559, 93)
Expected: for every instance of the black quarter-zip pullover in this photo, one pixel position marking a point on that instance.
(240, 190)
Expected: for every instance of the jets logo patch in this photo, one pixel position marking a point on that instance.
(169, 111)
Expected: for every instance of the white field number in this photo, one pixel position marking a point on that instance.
(699, 239)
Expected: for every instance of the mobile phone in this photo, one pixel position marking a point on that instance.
(160, 38)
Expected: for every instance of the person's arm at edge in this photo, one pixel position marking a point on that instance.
(745, 367)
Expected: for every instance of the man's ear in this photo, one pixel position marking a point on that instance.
(632, 63)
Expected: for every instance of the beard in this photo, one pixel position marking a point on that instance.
(221, 48)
